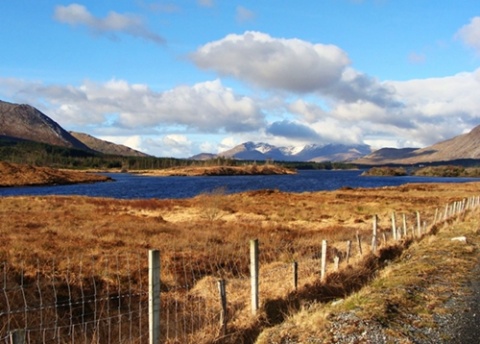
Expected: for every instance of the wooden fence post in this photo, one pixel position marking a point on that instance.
(154, 296)
(223, 302)
(336, 262)
(404, 221)
(17, 337)
(323, 271)
(359, 242)
(295, 275)
(394, 227)
(349, 250)
(254, 269)
(374, 236)
(419, 225)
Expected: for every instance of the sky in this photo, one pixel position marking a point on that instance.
(177, 78)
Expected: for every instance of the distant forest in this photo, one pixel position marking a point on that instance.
(40, 154)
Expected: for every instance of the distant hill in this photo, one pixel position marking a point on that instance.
(203, 156)
(27, 123)
(106, 147)
(314, 153)
(466, 146)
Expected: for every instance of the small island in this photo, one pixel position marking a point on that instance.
(385, 172)
(245, 170)
(425, 171)
(28, 175)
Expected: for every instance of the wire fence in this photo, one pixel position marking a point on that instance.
(204, 295)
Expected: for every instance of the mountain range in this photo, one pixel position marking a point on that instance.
(313, 152)
(24, 122)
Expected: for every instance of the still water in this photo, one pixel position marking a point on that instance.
(131, 186)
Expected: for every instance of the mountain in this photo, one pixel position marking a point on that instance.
(465, 146)
(24, 122)
(27, 123)
(106, 147)
(203, 156)
(314, 152)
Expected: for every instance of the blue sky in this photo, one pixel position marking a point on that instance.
(176, 78)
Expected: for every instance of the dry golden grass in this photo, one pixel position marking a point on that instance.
(410, 293)
(27, 175)
(206, 238)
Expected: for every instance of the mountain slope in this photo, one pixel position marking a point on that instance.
(27, 123)
(106, 147)
(466, 146)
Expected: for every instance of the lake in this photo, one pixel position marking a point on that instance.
(130, 186)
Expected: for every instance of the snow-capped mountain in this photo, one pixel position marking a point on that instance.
(314, 152)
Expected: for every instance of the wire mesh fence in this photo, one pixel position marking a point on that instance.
(205, 293)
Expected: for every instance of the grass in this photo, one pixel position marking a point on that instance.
(206, 238)
(408, 293)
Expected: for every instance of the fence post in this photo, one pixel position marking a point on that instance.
(323, 271)
(349, 250)
(359, 242)
(223, 301)
(295, 275)
(394, 227)
(404, 222)
(419, 225)
(336, 262)
(17, 337)
(154, 296)
(374, 236)
(254, 268)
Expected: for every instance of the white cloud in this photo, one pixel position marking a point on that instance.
(204, 107)
(227, 143)
(177, 145)
(291, 65)
(309, 112)
(470, 34)
(280, 64)
(113, 24)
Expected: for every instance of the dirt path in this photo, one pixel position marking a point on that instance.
(467, 321)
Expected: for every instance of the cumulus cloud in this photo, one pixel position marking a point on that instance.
(113, 24)
(204, 107)
(291, 129)
(307, 111)
(291, 65)
(470, 34)
(279, 64)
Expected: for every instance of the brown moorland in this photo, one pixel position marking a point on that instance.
(251, 169)
(27, 175)
(206, 238)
